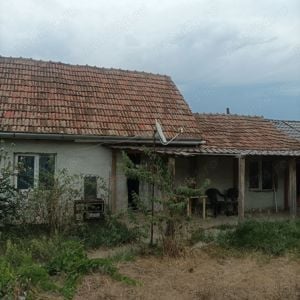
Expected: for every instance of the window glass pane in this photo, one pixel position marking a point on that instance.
(267, 175)
(254, 175)
(46, 171)
(25, 178)
(90, 187)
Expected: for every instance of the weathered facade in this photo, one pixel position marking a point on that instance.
(82, 117)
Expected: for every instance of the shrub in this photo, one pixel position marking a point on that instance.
(7, 278)
(52, 205)
(201, 235)
(110, 232)
(9, 198)
(270, 237)
(48, 264)
(273, 238)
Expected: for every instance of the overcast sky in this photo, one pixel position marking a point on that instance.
(242, 54)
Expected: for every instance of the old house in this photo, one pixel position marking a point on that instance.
(81, 118)
(66, 116)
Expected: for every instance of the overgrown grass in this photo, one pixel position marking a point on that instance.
(269, 237)
(33, 262)
(49, 264)
(104, 234)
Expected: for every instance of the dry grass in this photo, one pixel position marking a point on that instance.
(200, 275)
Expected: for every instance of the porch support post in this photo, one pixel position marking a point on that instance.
(171, 167)
(113, 181)
(241, 183)
(292, 187)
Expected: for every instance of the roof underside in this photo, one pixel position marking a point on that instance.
(56, 98)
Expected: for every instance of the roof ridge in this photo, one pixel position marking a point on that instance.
(229, 115)
(20, 58)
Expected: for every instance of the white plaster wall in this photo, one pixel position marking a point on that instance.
(265, 199)
(220, 171)
(78, 158)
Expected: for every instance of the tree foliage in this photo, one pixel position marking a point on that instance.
(169, 200)
(9, 198)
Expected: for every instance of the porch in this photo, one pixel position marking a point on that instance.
(265, 184)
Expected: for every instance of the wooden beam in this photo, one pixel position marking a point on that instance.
(171, 167)
(241, 188)
(114, 181)
(292, 187)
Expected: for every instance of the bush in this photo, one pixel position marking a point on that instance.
(48, 264)
(7, 278)
(9, 198)
(273, 238)
(201, 235)
(108, 233)
(269, 237)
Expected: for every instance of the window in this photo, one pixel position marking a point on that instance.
(25, 178)
(254, 175)
(261, 175)
(267, 175)
(35, 169)
(46, 170)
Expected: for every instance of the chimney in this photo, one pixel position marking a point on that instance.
(227, 111)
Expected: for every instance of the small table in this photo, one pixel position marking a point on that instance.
(200, 199)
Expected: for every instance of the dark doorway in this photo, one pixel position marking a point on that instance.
(133, 185)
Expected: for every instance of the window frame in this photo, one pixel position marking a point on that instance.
(260, 175)
(36, 169)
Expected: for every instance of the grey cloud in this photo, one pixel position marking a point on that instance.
(218, 45)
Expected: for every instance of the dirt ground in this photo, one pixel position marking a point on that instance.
(199, 275)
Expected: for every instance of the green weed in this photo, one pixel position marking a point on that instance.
(49, 265)
(268, 237)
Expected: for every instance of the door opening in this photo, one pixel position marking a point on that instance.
(133, 185)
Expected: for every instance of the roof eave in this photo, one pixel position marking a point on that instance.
(95, 139)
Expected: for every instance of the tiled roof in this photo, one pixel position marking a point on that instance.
(292, 128)
(48, 97)
(244, 134)
(209, 150)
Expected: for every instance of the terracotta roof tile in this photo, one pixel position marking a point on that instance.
(48, 97)
(222, 131)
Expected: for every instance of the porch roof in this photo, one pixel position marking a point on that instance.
(205, 150)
